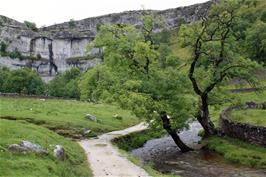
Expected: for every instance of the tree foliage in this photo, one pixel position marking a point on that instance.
(31, 25)
(216, 54)
(24, 81)
(65, 85)
(137, 77)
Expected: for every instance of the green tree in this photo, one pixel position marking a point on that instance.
(65, 85)
(256, 42)
(132, 75)
(216, 55)
(31, 25)
(71, 23)
(24, 81)
(4, 74)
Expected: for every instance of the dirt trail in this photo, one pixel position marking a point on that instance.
(105, 160)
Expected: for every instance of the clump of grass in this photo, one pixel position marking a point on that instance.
(136, 139)
(237, 151)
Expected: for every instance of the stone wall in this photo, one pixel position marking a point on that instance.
(251, 133)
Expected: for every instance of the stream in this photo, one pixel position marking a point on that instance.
(164, 155)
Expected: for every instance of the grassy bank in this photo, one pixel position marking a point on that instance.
(32, 165)
(250, 116)
(238, 152)
(66, 117)
(238, 98)
(136, 139)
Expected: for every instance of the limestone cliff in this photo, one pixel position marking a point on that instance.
(57, 44)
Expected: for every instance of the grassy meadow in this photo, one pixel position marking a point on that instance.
(66, 117)
(30, 119)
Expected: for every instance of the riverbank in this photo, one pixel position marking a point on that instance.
(164, 156)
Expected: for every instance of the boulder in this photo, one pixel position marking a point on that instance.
(91, 117)
(27, 146)
(59, 152)
(87, 132)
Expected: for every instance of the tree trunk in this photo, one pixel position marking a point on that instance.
(203, 117)
(167, 126)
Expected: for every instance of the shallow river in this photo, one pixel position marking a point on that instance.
(166, 158)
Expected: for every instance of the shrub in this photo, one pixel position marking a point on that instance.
(71, 23)
(65, 85)
(23, 81)
(31, 25)
(3, 47)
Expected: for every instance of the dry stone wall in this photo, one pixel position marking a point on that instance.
(251, 133)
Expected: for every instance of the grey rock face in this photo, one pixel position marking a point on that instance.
(27, 146)
(59, 152)
(58, 43)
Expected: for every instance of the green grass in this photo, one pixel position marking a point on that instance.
(136, 139)
(239, 152)
(66, 117)
(249, 116)
(32, 165)
(239, 98)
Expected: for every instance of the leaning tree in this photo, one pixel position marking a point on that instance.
(138, 81)
(216, 55)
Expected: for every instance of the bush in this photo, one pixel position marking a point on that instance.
(263, 16)
(31, 25)
(65, 85)
(71, 23)
(4, 74)
(24, 81)
(3, 47)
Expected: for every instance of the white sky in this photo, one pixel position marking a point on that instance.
(49, 12)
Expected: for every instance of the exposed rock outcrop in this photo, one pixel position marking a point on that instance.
(26, 147)
(58, 43)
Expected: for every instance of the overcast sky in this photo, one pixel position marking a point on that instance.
(49, 12)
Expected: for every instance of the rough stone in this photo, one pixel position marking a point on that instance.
(59, 152)
(86, 132)
(57, 43)
(27, 146)
(91, 117)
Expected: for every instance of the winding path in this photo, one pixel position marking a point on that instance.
(105, 160)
